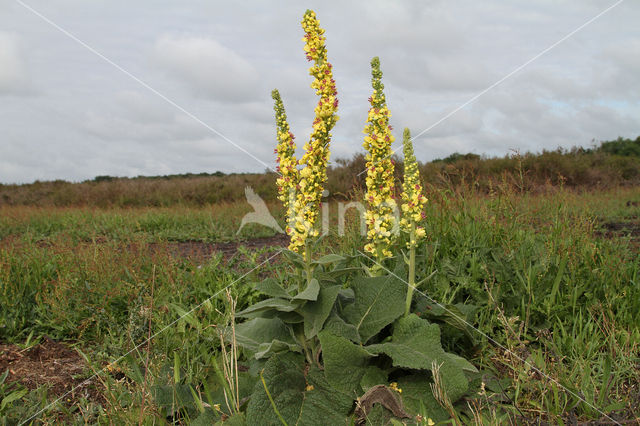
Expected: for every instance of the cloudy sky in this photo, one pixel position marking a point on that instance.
(122, 88)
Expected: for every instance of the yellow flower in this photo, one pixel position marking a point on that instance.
(286, 160)
(394, 386)
(307, 184)
(412, 196)
(381, 204)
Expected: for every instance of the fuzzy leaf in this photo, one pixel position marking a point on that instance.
(277, 304)
(378, 301)
(208, 417)
(315, 313)
(235, 420)
(344, 362)
(415, 344)
(265, 350)
(417, 398)
(309, 293)
(329, 259)
(338, 327)
(373, 376)
(301, 399)
(271, 287)
(259, 331)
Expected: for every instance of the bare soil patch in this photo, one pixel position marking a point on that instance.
(203, 250)
(49, 363)
(630, 229)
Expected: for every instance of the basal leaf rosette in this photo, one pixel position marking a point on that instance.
(413, 200)
(287, 163)
(381, 204)
(314, 174)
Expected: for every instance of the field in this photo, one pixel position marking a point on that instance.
(550, 283)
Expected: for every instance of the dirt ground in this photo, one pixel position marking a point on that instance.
(629, 229)
(198, 250)
(49, 363)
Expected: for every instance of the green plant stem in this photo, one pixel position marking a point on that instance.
(412, 269)
(303, 342)
(273, 404)
(307, 263)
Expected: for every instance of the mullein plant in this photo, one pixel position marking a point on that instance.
(413, 202)
(381, 205)
(301, 190)
(287, 163)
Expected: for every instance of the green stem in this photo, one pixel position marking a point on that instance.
(303, 342)
(412, 269)
(273, 404)
(307, 263)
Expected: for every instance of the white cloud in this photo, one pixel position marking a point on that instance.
(13, 73)
(208, 68)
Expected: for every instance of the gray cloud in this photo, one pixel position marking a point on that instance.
(220, 61)
(13, 71)
(208, 68)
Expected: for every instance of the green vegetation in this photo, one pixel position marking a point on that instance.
(538, 274)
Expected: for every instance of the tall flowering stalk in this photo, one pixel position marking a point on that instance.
(287, 163)
(381, 205)
(301, 190)
(413, 216)
(314, 174)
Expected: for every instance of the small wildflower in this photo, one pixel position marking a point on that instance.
(394, 386)
(309, 388)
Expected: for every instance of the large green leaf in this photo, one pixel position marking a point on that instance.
(316, 312)
(378, 301)
(338, 327)
(329, 259)
(271, 287)
(309, 293)
(265, 350)
(300, 398)
(373, 376)
(417, 398)
(274, 303)
(415, 344)
(208, 417)
(344, 362)
(252, 335)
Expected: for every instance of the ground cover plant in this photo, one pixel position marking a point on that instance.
(489, 306)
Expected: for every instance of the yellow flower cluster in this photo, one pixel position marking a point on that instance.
(412, 197)
(394, 386)
(301, 190)
(287, 163)
(314, 174)
(381, 204)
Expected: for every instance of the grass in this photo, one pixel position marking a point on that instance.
(556, 298)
